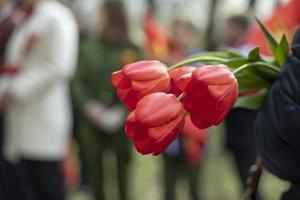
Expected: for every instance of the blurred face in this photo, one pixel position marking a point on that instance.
(181, 34)
(178, 32)
(231, 33)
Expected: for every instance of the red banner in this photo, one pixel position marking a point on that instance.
(285, 19)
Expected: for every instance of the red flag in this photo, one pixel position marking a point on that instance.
(285, 19)
(157, 40)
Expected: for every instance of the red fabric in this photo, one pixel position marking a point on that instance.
(9, 70)
(155, 123)
(138, 79)
(210, 95)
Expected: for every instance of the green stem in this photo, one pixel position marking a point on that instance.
(195, 60)
(256, 64)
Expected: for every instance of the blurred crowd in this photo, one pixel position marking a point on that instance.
(60, 115)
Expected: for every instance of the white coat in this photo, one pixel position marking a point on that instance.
(38, 119)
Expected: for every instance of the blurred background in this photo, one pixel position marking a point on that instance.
(100, 160)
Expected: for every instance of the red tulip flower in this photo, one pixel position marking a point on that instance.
(155, 123)
(210, 95)
(180, 77)
(138, 79)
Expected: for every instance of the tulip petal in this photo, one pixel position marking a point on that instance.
(218, 91)
(180, 77)
(213, 74)
(131, 125)
(191, 97)
(142, 142)
(139, 135)
(183, 81)
(174, 131)
(116, 77)
(160, 132)
(157, 109)
(129, 98)
(228, 95)
(161, 84)
(144, 70)
(144, 85)
(124, 83)
(179, 72)
(190, 130)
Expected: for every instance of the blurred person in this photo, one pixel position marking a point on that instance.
(183, 158)
(239, 123)
(10, 16)
(235, 34)
(36, 99)
(185, 40)
(101, 119)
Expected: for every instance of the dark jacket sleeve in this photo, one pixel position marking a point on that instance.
(278, 123)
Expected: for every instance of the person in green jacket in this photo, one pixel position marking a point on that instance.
(101, 115)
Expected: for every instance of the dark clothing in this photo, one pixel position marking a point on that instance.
(278, 124)
(292, 193)
(42, 180)
(32, 180)
(239, 125)
(11, 182)
(240, 140)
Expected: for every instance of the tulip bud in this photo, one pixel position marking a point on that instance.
(210, 94)
(138, 79)
(155, 123)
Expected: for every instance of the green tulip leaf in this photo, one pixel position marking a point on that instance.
(264, 73)
(260, 69)
(250, 81)
(254, 101)
(282, 51)
(272, 42)
(254, 55)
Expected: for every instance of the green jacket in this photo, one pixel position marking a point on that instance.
(97, 60)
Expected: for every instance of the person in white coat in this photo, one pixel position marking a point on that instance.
(43, 50)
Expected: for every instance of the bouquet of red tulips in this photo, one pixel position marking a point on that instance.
(160, 98)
